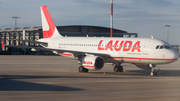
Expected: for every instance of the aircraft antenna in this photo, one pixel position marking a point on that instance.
(152, 37)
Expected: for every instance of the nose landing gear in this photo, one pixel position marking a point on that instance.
(152, 73)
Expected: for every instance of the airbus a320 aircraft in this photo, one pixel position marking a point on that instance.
(94, 52)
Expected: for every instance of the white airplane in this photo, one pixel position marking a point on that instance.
(94, 52)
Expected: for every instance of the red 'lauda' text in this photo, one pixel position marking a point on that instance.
(117, 46)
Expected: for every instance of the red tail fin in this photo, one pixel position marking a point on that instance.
(49, 28)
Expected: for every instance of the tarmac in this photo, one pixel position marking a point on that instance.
(56, 78)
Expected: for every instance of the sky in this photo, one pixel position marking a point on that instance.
(144, 17)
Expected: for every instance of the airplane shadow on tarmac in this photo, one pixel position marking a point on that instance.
(162, 73)
(7, 83)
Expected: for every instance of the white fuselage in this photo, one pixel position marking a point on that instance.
(118, 50)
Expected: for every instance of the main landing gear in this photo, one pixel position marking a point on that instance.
(83, 70)
(118, 68)
(153, 73)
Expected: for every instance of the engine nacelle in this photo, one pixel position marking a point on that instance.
(92, 62)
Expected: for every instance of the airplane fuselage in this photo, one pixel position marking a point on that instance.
(118, 50)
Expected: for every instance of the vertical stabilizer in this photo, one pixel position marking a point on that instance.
(48, 26)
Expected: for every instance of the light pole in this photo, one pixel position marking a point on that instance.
(111, 20)
(167, 32)
(14, 36)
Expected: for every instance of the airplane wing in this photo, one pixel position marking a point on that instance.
(76, 53)
(50, 49)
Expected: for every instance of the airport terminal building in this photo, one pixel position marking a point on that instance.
(8, 35)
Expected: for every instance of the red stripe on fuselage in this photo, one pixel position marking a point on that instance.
(141, 58)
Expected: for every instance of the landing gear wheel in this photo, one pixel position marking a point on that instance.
(86, 70)
(118, 68)
(82, 69)
(153, 74)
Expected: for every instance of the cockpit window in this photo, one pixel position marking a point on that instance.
(161, 47)
(167, 47)
(157, 46)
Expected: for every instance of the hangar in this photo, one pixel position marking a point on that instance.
(8, 35)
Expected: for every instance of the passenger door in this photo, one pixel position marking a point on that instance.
(145, 48)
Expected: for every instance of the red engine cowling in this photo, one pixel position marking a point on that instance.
(92, 62)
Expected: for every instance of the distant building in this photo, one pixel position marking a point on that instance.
(176, 48)
(91, 31)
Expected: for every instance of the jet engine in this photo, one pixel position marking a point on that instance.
(93, 62)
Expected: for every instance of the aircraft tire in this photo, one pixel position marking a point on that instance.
(120, 68)
(81, 69)
(116, 69)
(86, 70)
(154, 73)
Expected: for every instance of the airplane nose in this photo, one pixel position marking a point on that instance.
(174, 55)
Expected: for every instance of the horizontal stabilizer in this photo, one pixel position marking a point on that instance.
(29, 47)
(37, 42)
(15, 46)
